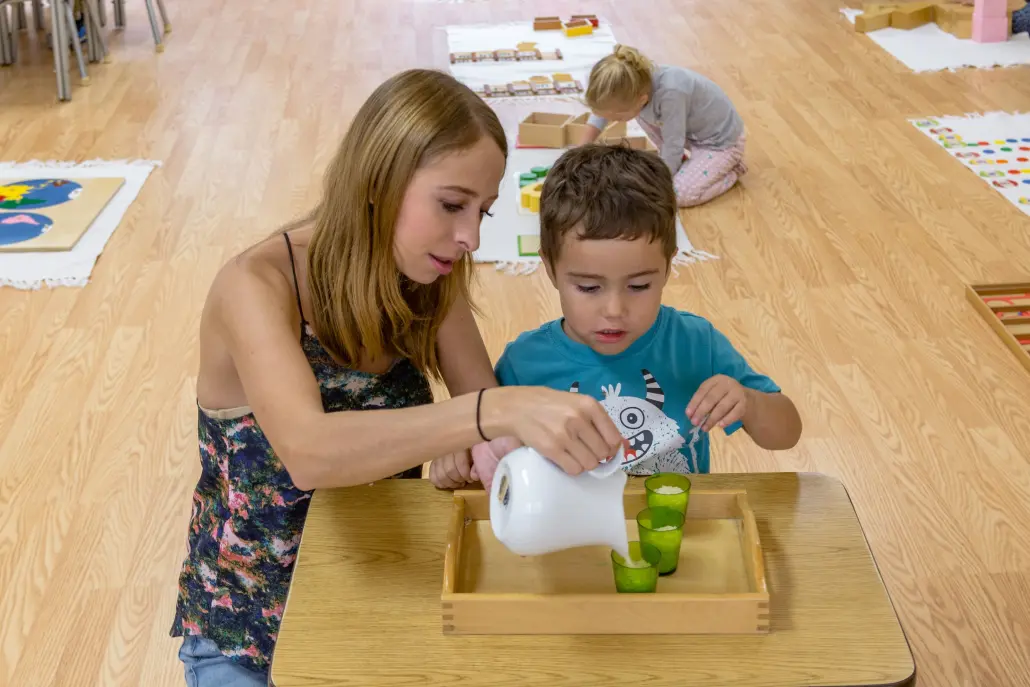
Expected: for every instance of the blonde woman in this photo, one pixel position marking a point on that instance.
(316, 347)
(691, 121)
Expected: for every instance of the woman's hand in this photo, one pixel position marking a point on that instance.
(571, 430)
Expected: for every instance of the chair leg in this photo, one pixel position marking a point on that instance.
(92, 50)
(37, 14)
(21, 19)
(76, 44)
(164, 16)
(119, 13)
(96, 34)
(6, 39)
(101, 12)
(60, 50)
(158, 43)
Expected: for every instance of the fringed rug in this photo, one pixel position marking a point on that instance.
(25, 217)
(929, 49)
(995, 146)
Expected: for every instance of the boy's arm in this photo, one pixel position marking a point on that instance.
(771, 420)
(738, 396)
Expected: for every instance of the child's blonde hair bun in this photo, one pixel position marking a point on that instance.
(619, 78)
(633, 58)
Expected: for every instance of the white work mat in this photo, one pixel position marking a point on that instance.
(579, 54)
(500, 234)
(994, 146)
(73, 267)
(929, 49)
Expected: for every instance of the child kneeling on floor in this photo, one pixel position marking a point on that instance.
(681, 111)
(665, 376)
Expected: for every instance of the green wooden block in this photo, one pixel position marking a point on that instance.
(529, 245)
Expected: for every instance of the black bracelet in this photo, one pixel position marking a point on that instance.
(479, 404)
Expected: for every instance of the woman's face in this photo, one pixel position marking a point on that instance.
(442, 208)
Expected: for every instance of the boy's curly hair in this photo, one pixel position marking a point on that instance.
(607, 192)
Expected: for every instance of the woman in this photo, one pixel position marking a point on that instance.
(352, 309)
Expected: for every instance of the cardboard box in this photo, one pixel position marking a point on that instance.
(577, 126)
(543, 130)
(634, 142)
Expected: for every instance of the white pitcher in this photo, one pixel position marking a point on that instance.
(536, 507)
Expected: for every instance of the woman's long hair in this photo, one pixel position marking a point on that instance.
(362, 304)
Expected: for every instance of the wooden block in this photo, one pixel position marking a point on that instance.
(529, 245)
(529, 196)
(547, 24)
(955, 19)
(912, 15)
(592, 18)
(991, 29)
(874, 18)
(991, 8)
(577, 27)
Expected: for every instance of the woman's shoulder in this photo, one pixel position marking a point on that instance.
(260, 275)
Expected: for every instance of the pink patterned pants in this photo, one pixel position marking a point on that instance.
(708, 173)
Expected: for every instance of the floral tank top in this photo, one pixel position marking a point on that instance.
(248, 515)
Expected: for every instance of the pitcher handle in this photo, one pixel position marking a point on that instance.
(610, 466)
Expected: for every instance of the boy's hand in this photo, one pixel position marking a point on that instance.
(720, 401)
(453, 471)
(487, 455)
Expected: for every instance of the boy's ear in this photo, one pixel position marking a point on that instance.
(548, 268)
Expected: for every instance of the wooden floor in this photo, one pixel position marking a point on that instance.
(844, 256)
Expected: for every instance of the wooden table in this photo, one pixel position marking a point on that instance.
(364, 608)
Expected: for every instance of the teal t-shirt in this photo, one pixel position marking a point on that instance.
(645, 389)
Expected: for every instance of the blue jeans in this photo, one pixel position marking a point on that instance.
(207, 667)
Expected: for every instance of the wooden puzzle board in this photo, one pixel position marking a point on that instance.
(1006, 308)
(50, 214)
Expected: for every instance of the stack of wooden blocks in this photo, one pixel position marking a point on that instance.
(988, 21)
(992, 21)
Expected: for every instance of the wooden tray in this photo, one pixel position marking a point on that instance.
(1006, 307)
(719, 586)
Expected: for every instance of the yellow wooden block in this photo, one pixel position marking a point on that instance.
(577, 27)
(529, 196)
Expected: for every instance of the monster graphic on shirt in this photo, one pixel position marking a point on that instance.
(654, 438)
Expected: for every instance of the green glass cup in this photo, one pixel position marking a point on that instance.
(640, 573)
(662, 528)
(668, 490)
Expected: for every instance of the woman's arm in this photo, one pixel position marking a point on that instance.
(464, 362)
(254, 308)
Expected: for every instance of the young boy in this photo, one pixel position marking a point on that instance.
(666, 377)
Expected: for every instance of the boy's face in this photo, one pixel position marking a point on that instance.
(610, 290)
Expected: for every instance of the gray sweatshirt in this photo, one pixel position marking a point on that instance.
(687, 108)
